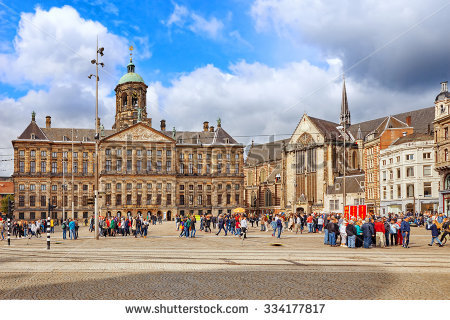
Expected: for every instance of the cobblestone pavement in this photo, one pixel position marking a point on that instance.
(163, 266)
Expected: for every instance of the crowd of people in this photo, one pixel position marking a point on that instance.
(391, 230)
(123, 226)
(234, 224)
(23, 229)
(382, 232)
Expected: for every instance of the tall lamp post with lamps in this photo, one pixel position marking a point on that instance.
(97, 136)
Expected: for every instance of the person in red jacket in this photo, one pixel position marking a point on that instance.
(379, 232)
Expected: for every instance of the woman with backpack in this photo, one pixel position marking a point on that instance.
(64, 230)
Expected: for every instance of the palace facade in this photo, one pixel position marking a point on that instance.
(142, 170)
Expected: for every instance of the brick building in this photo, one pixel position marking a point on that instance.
(264, 176)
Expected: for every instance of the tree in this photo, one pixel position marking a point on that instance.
(4, 203)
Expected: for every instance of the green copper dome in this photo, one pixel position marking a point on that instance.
(130, 76)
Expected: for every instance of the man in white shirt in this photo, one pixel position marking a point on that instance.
(244, 226)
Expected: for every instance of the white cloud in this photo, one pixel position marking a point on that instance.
(182, 17)
(407, 37)
(52, 51)
(254, 99)
(178, 16)
(55, 47)
(212, 27)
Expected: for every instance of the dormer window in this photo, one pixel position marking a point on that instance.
(227, 140)
(65, 138)
(33, 136)
(338, 186)
(85, 139)
(442, 109)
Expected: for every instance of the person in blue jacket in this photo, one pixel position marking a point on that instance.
(368, 232)
(405, 229)
(434, 233)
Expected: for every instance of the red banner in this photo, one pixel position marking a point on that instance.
(346, 212)
(353, 212)
(362, 211)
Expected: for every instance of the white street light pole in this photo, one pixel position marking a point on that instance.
(97, 137)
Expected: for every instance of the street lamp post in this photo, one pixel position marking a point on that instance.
(97, 63)
(72, 179)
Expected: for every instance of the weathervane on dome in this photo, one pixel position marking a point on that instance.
(131, 53)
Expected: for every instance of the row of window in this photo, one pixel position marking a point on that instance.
(408, 157)
(54, 167)
(149, 153)
(409, 191)
(43, 187)
(54, 201)
(427, 172)
(54, 215)
(159, 186)
(128, 200)
(54, 154)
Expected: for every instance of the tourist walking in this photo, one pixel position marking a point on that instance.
(379, 233)
(406, 232)
(351, 234)
(279, 224)
(434, 233)
(72, 229)
(64, 230)
(221, 226)
(368, 232)
(244, 227)
(445, 228)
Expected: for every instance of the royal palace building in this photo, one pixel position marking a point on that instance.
(142, 170)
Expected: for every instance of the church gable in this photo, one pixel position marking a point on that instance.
(306, 132)
(139, 132)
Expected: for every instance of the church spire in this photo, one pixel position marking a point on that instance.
(345, 112)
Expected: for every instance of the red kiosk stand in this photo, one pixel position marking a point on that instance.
(355, 212)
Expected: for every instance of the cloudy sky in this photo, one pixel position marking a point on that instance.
(256, 64)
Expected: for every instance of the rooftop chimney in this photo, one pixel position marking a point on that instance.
(211, 129)
(163, 125)
(444, 86)
(408, 121)
(206, 126)
(48, 122)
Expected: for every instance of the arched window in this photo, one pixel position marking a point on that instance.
(355, 160)
(124, 100)
(250, 178)
(262, 176)
(447, 182)
(253, 199)
(267, 198)
(134, 101)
